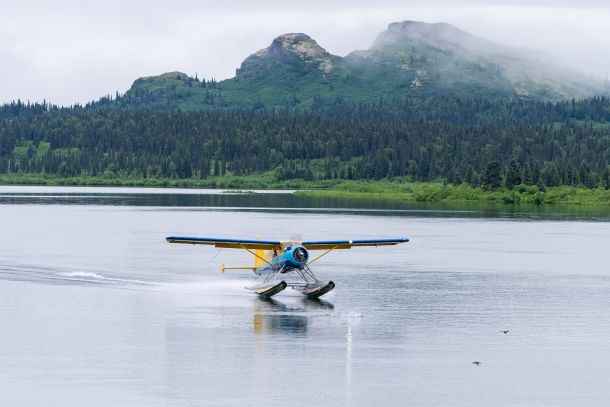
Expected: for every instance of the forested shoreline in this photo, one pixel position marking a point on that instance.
(481, 143)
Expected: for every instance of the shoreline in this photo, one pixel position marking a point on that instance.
(394, 190)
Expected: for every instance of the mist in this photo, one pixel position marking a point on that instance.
(73, 52)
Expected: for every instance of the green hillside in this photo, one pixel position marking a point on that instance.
(409, 59)
(479, 142)
(427, 103)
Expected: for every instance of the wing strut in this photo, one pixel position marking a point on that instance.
(256, 255)
(323, 254)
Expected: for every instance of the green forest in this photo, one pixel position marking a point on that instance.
(475, 142)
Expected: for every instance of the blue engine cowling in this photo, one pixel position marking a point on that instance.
(295, 257)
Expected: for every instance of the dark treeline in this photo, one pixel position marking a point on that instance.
(549, 144)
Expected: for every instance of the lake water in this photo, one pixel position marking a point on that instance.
(97, 309)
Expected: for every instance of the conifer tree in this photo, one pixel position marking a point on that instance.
(606, 178)
(550, 175)
(513, 175)
(492, 179)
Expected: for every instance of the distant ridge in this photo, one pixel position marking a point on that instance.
(408, 59)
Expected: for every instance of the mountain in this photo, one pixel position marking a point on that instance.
(295, 50)
(409, 59)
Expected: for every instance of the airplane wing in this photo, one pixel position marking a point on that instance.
(227, 243)
(348, 244)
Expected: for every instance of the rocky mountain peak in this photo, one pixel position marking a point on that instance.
(295, 49)
(299, 45)
(442, 36)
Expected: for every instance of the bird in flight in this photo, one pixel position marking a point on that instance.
(476, 363)
(504, 331)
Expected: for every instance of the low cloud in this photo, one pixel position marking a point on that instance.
(67, 51)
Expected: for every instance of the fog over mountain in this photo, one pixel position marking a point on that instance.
(408, 59)
(68, 51)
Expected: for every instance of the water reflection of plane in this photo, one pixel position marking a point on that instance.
(271, 316)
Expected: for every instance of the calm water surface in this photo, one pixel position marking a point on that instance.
(98, 310)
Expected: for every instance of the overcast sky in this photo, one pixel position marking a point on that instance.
(71, 51)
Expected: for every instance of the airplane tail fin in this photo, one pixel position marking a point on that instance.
(258, 259)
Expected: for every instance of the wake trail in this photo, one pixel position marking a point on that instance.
(41, 274)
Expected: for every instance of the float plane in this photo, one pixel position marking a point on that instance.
(275, 259)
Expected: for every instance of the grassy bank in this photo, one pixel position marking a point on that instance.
(257, 181)
(438, 192)
(385, 189)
